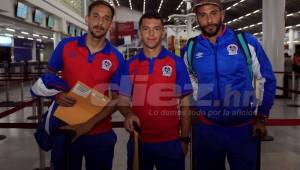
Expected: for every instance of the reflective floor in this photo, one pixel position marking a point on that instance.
(20, 152)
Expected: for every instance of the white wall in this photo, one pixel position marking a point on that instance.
(124, 14)
(182, 32)
(9, 7)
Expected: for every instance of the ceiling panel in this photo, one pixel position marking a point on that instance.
(243, 8)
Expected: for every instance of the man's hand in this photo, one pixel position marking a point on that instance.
(185, 147)
(64, 100)
(259, 129)
(129, 121)
(79, 130)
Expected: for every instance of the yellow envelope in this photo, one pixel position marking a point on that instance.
(89, 102)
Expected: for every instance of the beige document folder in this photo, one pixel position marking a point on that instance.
(89, 102)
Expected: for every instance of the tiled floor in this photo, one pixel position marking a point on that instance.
(19, 151)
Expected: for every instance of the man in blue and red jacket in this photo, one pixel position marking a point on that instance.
(90, 59)
(152, 83)
(227, 125)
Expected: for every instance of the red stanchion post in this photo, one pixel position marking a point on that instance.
(40, 108)
(191, 149)
(137, 147)
(22, 91)
(294, 104)
(34, 110)
(258, 162)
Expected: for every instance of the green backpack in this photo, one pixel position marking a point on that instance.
(242, 43)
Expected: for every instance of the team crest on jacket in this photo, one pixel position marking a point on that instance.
(106, 65)
(232, 49)
(167, 71)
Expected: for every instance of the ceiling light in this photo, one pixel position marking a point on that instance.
(52, 38)
(20, 37)
(35, 35)
(228, 8)
(235, 5)
(39, 40)
(9, 29)
(161, 2)
(130, 4)
(45, 37)
(252, 25)
(144, 6)
(242, 17)
(30, 38)
(26, 33)
(256, 11)
(179, 6)
(8, 35)
(118, 3)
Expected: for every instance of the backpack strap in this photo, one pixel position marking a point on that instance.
(190, 54)
(243, 43)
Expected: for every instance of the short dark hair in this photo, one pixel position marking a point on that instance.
(101, 2)
(150, 15)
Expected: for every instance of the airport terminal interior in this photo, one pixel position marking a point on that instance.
(31, 29)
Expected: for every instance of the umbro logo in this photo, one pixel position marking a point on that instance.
(199, 55)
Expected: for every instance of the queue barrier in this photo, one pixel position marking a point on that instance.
(7, 83)
(294, 91)
(40, 105)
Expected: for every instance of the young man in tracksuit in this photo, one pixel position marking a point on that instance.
(154, 81)
(226, 123)
(92, 60)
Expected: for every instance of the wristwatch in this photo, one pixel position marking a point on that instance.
(186, 140)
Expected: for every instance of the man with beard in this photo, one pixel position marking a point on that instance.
(226, 124)
(92, 60)
(152, 83)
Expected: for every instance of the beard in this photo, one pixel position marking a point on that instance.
(98, 36)
(211, 33)
(152, 46)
